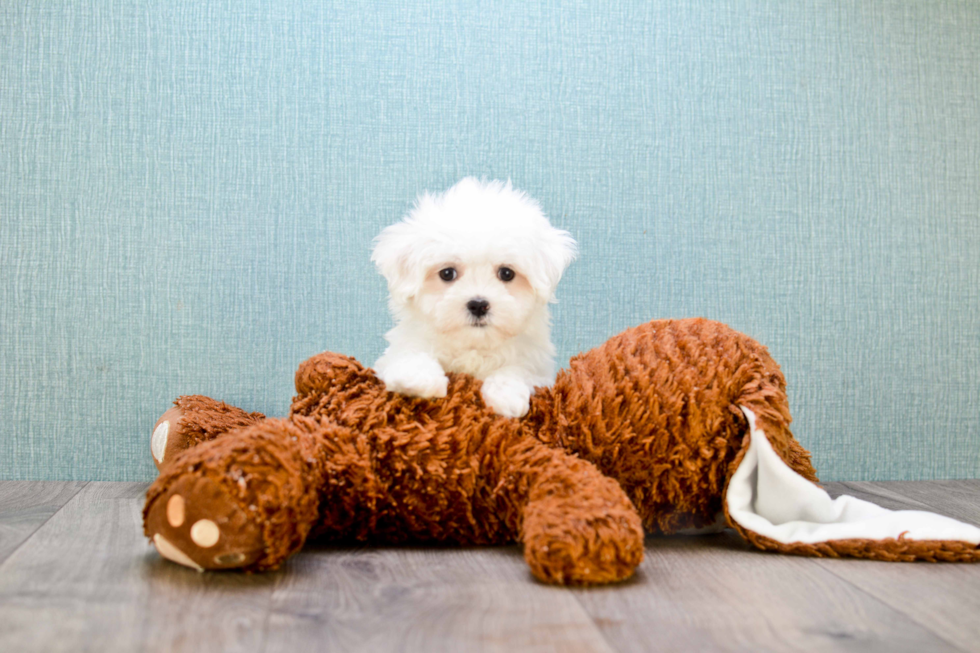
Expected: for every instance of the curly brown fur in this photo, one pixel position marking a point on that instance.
(656, 408)
(646, 427)
(356, 461)
(889, 550)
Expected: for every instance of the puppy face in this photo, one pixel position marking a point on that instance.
(477, 301)
(476, 261)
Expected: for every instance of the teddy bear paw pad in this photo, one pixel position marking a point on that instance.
(158, 441)
(175, 510)
(196, 523)
(205, 533)
(172, 553)
(168, 438)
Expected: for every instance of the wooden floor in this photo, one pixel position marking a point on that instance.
(76, 574)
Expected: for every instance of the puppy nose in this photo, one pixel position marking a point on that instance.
(478, 306)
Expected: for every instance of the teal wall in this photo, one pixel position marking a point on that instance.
(188, 193)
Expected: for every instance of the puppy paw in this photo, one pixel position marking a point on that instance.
(416, 376)
(507, 395)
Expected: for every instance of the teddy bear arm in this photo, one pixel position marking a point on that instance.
(577, 525)
(247, 500)
(330, 373)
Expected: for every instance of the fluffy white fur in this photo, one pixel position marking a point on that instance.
(476, 228)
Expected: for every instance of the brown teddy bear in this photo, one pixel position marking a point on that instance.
(669, 426)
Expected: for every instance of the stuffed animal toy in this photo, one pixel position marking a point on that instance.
(670, 426)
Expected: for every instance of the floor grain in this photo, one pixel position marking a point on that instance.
(416, 599)
(956, 499)
(88, 580)
(76, 574)
(945, 598)
(714, 593)
(26, 505)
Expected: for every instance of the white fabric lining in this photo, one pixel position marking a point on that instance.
(766, 496)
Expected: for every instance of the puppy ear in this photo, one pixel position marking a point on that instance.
(393, 249)
(555, 250)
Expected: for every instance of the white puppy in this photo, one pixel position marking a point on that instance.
(470, 273)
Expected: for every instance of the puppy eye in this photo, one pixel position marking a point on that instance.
(506, 274)
(447, 274)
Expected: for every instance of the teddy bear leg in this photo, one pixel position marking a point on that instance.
(579, 526)
(245, 500)
(191, 420)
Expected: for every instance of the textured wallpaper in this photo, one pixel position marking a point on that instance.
(188, 192)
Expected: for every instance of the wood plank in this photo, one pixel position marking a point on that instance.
(714, 593)
(26, 505)
(943, 597)
(88, 580)
(956, 499)
(424, 599)
(88, 576)
(877, 493)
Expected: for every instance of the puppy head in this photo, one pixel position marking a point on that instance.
(480, 257)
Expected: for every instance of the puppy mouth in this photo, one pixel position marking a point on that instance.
(479, 321)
